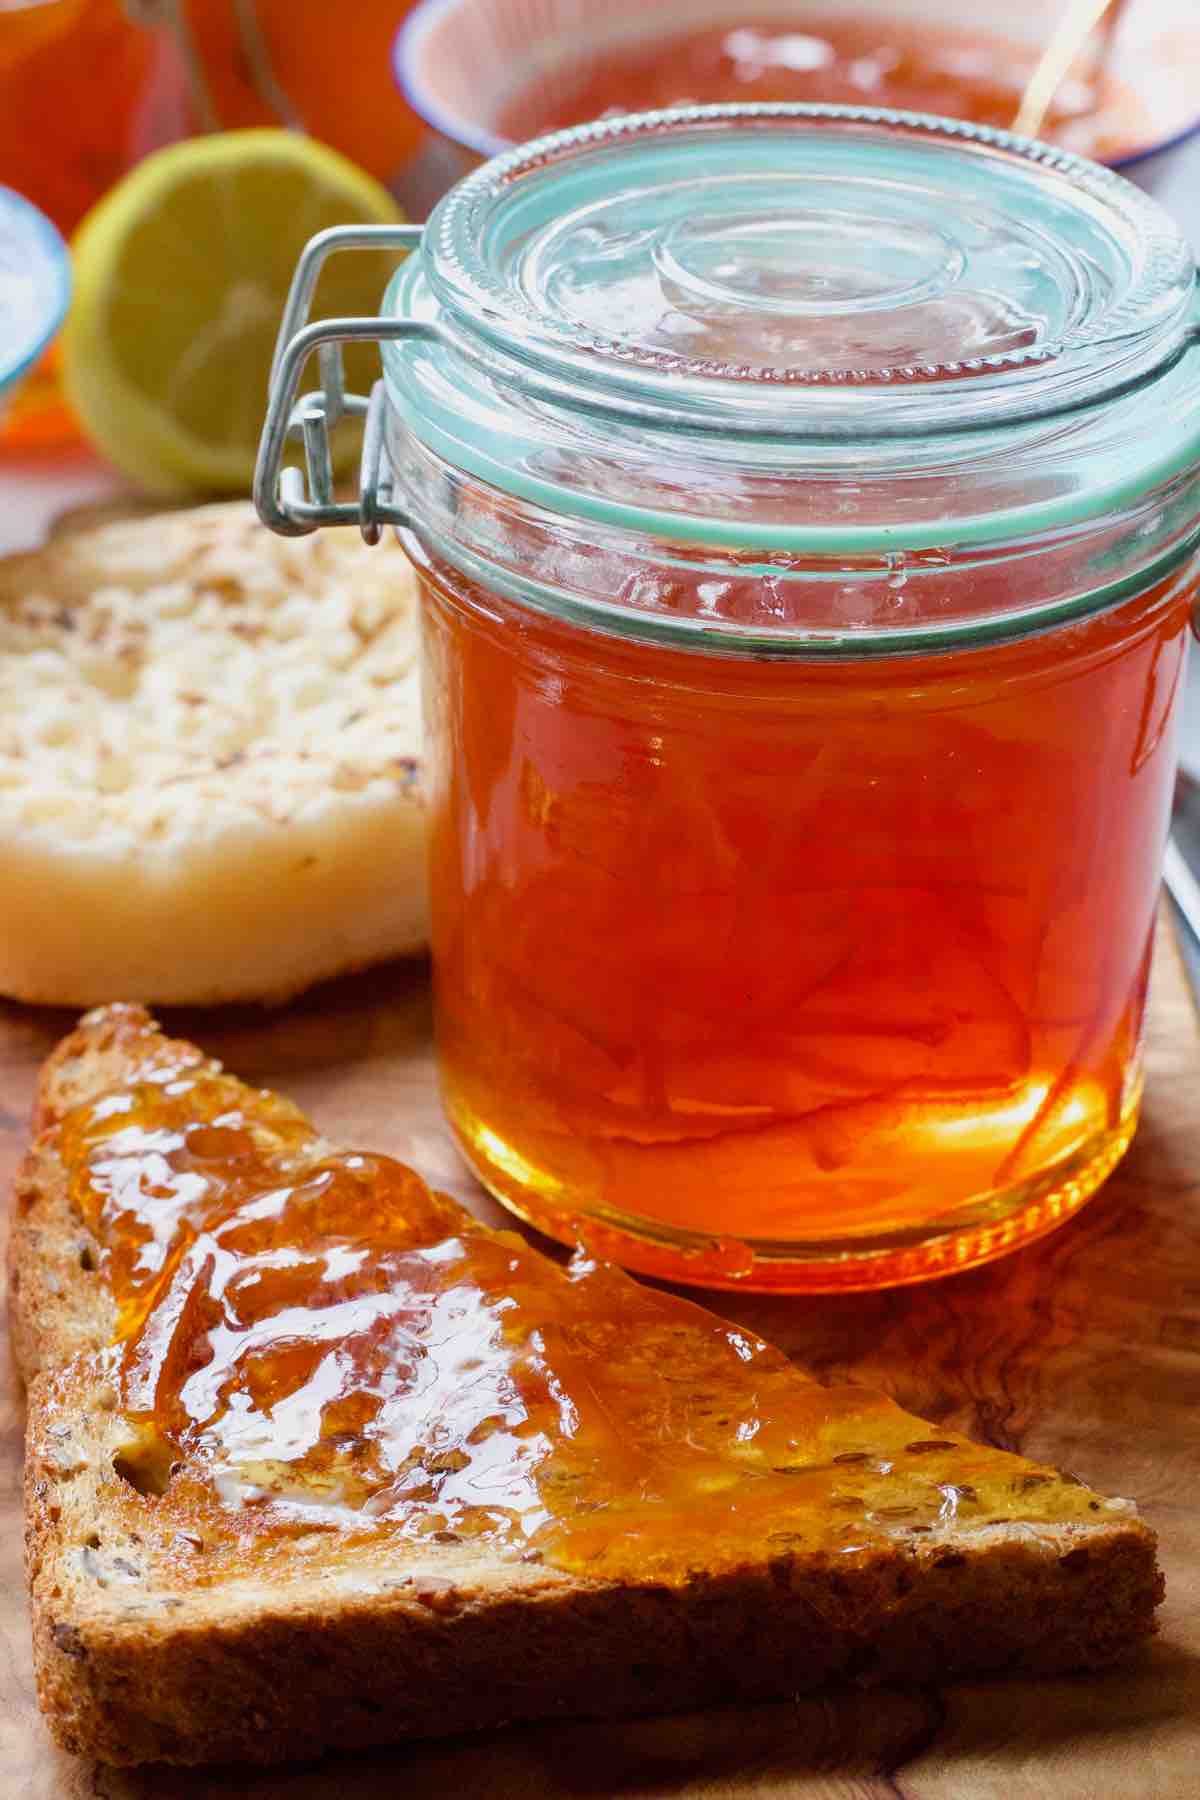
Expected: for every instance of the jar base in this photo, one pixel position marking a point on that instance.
(977, 1232)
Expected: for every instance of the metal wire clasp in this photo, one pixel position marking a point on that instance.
(295, 501)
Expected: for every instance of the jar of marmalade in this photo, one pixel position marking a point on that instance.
(805, 506)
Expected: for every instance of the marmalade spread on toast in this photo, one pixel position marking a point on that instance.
(322, 1342)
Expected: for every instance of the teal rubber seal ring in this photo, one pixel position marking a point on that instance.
(698, 635)
(492, 466)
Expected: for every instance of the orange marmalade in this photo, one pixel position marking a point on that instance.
(316, 1340)
(740, 962)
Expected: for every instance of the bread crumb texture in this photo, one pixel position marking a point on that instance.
(209, 736)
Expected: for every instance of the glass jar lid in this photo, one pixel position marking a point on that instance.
(35, 284)
(899, 268)
(793, 336)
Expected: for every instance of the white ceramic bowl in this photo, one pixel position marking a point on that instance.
(35, 285)
(459, 62)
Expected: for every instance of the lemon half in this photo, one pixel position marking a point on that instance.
(180, 278)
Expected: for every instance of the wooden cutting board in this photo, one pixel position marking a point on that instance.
(1083, 1350)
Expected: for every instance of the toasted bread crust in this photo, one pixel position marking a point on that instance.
(143, 1654)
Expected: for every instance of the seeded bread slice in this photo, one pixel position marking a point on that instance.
(145, 1651)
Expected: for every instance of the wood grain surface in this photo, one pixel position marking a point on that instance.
(1083, 1350)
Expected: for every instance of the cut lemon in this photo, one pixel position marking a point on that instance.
(180, 278)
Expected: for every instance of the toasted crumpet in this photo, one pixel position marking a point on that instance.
(209, 761)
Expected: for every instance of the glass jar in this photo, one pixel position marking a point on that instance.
(87, 87)
(805, 506)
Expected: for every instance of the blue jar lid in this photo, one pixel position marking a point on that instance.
(35, 284)
(807, 331)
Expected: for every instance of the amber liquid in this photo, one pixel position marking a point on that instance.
(795, 974)
(842, 60)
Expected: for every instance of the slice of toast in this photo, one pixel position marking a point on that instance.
(314, 1459)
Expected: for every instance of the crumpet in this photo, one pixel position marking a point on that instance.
(209, 761)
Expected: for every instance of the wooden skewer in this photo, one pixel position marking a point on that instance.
(1075, 27)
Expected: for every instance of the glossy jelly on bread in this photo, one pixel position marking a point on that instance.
(316, 1459)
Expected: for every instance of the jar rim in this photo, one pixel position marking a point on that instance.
(698, 635)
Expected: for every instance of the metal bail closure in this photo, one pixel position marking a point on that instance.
(293, 501)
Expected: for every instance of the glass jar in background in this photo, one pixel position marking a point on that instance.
(305, 64)
(84, 93)
(89, 87)
(805, 504)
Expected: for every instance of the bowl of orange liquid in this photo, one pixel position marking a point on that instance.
(35, 285)
(486, 74)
